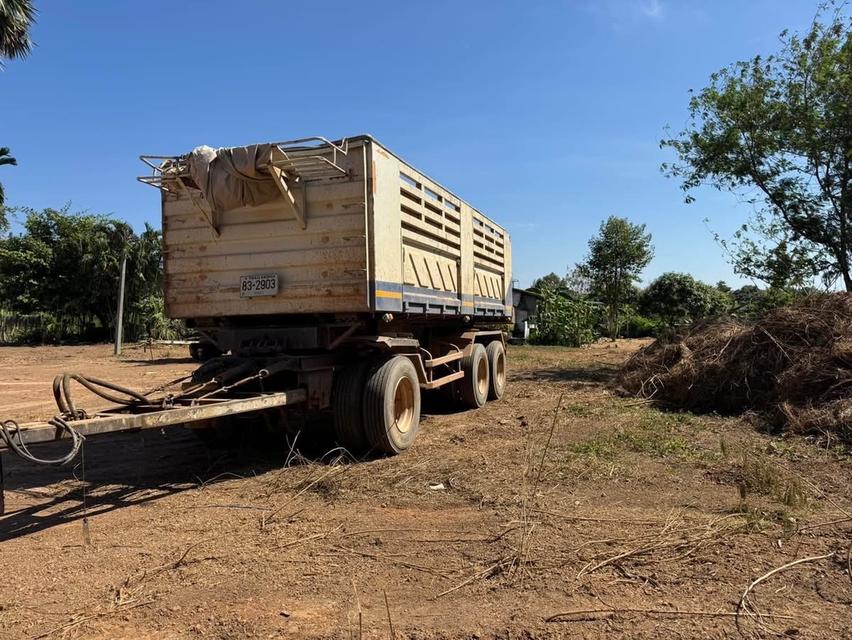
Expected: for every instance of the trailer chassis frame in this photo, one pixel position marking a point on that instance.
(149, 416)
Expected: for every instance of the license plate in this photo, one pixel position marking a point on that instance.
(260, 285)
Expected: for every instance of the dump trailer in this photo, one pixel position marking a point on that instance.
(331, 275)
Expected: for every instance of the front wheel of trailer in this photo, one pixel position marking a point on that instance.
(348, 401)
(392, 405)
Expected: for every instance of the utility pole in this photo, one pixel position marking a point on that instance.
(119, 320)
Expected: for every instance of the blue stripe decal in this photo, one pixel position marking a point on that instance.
(432, 301)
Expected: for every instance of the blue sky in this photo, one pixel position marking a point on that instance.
(544, 115)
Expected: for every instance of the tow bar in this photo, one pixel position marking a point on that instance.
(198, 400)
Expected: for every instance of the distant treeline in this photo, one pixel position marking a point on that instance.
(59, 279)
(573, 317)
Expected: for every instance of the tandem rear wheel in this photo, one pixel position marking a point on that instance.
(376, 402)
(485, 376)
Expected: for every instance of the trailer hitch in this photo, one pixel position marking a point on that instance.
(198, 401)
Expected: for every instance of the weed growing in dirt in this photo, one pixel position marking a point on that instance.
(759, 520)
(646, 431)
(756, 472)
(761, 475)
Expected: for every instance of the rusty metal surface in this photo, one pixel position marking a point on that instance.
(440, 382)
(116, 420)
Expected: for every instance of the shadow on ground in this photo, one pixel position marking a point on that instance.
(125, 469)
(154, 361)
(600, 374)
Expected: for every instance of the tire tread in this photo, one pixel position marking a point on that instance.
(374, 403)
(468, 383)
(491, 352)
(348, 399)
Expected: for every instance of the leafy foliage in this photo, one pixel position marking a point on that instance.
(577, 283)
(617, 255)
(67, 265)
(751, 302)
(550, 281)
(639, 326)
(5, 159)
(779, 127)
(563, 321)
(16, 19)
(678, 299)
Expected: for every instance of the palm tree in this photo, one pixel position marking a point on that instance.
(5, 158)
(16, 18)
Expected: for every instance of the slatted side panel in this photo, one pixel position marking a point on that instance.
(430, 221)
(489, 266)
(321, 269)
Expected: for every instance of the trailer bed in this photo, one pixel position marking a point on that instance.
(354, 229)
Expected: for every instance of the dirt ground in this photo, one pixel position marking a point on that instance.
(498, 523)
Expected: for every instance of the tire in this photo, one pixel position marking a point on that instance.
(474, 386)
(204, 351)
(497, 368)
(347, 400)
(392, 405)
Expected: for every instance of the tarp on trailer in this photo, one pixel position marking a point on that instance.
(232, 177)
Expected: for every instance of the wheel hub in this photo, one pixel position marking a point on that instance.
(403, 405)
(482, 376)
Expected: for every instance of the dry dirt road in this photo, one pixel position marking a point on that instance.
(498, 523)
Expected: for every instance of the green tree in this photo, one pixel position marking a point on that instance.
(749, 301)
(563, 321)
(551, 280)
(778, 132)
(617, 255)
(678, 299)
(67, 265)
(5, 159)
(16, 19)
(577, 284)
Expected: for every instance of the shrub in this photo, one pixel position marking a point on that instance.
(562, 321)
(639, 326)
(678, 299)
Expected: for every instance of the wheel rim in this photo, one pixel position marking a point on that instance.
(500, 371)
(403, 405)
(482, 376)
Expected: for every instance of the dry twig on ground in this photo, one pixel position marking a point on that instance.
(675, 541)
(744, 607)
(566, 616)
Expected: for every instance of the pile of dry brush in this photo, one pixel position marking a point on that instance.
(794, 367)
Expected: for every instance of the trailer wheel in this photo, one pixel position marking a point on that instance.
(348, 400)
(203, 351)
(474, 385)
(497, 364)
(392, 405)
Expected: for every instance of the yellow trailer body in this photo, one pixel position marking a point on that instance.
(343, 227)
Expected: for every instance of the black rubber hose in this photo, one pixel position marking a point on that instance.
(58, 396)
(20, 447)
(65, 401)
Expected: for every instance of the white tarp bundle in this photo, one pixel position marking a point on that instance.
(235, 176)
